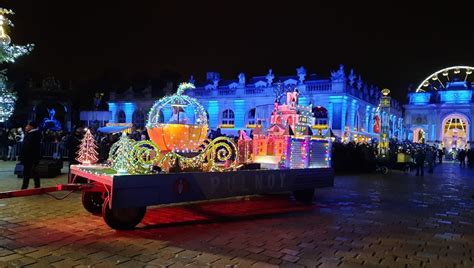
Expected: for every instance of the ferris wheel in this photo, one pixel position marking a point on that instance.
(442, 79)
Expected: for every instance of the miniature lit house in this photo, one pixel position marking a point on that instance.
(292, 114)
(281, 146)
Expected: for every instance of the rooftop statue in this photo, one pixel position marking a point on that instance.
(359, 84)
(270, 77)
(352, 77)
(191, 79)
(339, 75)
(301, 72)
(242, 79)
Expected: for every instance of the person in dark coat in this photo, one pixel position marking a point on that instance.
(30, 155)
(420, 162)
(72, 145)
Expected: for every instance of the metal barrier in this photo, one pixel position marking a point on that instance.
(56, 150)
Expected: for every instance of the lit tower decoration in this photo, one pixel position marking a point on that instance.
(8, 53)
(244, 145)
(87, 153)
(384, 107)
(121, 154)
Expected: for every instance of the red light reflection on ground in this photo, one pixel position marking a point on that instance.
(233, 209)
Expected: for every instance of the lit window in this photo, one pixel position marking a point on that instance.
(251, 117)
(121, 117)
(228, 117)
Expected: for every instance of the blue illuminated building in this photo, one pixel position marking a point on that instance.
(440, 109)
(341, 102)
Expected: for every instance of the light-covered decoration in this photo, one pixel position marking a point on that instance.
(87, 153)
(440, 110)
(9, 52)
(121, 154)
(297, 117)
(384, 107)
(7, 99)
(244, 145)
(178, 122)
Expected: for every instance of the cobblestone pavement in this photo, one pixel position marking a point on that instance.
(366, 220)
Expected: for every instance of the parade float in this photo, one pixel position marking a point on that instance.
(181, 164)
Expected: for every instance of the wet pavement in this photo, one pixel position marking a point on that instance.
(374, 220)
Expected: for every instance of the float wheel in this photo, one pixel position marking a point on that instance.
(92, 202)
(122, 218)
(305, 196)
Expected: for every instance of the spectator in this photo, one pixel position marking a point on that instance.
(420, 162)
(3, 144)
(440, 155)
(462, 158)
(430, 159)
(72, 145)
(30, 155)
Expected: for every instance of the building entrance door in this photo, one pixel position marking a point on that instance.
(455, 129)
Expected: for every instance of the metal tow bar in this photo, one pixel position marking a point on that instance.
(73, 187)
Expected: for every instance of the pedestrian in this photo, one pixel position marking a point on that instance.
(470, 157)
(420, 162)
(72, 145)
(440, 155)
(3, 144)
(30, 155)
(430, 159)
(462, 158)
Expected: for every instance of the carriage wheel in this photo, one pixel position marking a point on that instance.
(305, 196)
(122, 218)
(92, 202)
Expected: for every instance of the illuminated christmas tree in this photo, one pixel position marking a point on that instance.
(121, 154)
(7, 99)
(87, 153)
(8, 53)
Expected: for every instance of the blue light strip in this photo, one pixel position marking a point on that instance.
(239, 113)
(213, 110)
(113, 110)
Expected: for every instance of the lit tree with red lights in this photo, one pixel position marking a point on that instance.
(87, 153)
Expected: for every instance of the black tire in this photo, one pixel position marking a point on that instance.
(92, 202)
(384, 170)
(304, 196)
(122, 218)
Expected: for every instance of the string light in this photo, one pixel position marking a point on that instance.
(120, 155)
(7, 99)
(8, 52)
(87, 153)
(179, 134)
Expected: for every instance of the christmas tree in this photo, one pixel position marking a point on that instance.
(87, 153)
(8, 53)
(121, 154)
(7, 99)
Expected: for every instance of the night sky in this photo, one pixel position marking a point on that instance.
(390, 43)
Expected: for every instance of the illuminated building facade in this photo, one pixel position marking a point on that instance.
(341, 102)
(440, 109)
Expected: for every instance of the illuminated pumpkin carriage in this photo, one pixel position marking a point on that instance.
(177, 126)
(178, 122)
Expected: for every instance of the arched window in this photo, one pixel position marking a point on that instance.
(321, 115)
(251, 116)
(139, 118)
(356, 122)
(121, 118)
(228, 117)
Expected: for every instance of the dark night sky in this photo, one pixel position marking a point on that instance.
(392, 44)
